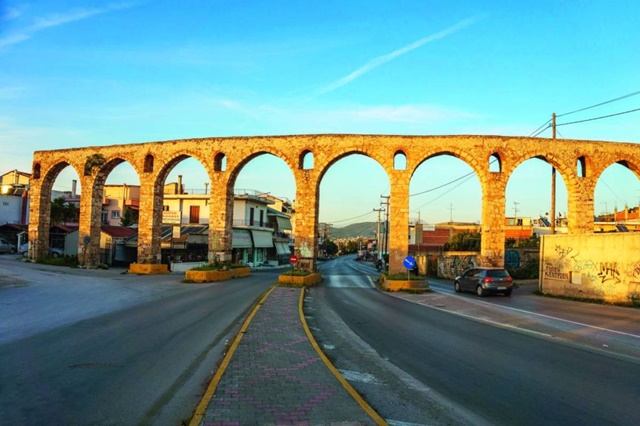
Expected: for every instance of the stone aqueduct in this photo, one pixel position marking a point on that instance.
(579, 162)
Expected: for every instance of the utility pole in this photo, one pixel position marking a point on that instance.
(553, 179)
(378, 244)
(451, 213)
(386, 222)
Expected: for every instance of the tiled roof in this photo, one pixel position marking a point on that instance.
(118, 231)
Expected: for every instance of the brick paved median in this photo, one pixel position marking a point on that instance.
(276, 376)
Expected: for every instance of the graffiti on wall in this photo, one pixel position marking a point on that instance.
(600, 274)
(451, 266)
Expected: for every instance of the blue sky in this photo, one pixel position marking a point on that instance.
(80, 73)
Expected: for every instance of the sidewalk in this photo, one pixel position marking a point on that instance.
(275, 376)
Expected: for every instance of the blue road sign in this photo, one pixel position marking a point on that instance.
(409, 262)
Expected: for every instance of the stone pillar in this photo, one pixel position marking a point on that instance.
(220, 220)
(150, 220)
(39, 218)
(493, 217)
(580, 205)
(398, 242)
(306, 218)
(90, 220)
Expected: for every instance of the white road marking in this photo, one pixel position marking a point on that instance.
(355, 376)
(492, 305)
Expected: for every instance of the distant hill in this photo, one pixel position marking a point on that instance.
(362, 229)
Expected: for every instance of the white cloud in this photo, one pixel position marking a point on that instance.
(58, 19)
(12, 13)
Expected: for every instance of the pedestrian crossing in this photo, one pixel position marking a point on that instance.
(348, 281)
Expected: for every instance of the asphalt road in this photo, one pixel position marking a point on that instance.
(100, 347)
(420, 364)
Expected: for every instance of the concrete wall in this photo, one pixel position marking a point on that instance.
(596, 266)
(454, 263)
(11, 209)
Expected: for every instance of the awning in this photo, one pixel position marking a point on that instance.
(283, 223)
(283, 248)
(241, 239)
(262, 239)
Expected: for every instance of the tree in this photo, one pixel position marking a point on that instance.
(531, 242)
(61, 212)
(464, 241)
(329, 247)
(128, 217)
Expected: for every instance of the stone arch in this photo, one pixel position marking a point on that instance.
(624, 161)
(36, 171)
(474, 150)
(148, 163)
(609, 166)
(400, 160)
(306, 160)
(581, 167)
(236, 168)
(467, 157)
(220, 162)
(40, 205)
(334, 159)
(495, 163)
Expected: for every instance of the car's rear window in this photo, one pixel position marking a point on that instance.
(497, 273)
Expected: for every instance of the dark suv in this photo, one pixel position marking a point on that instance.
(484, 281)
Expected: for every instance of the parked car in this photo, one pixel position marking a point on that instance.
(6, 246)
(485, 281)
(53, 251)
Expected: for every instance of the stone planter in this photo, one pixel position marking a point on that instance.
(396, 285)
(148, 268)
(215, 275)
(300, 280)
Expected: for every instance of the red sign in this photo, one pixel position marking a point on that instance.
(293, 259)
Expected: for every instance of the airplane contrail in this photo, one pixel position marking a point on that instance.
(380, 60)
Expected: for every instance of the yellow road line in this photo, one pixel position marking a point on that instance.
(366, 407)
(201, 409)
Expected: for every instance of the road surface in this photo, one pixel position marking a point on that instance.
(420, 364)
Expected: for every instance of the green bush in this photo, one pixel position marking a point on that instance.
(297, 273)
(403, 276)
(526, 271)
(71, 261)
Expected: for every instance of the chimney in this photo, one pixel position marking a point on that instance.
(179, 184)
(74, 184)
(16, 177)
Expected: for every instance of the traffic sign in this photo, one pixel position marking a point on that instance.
(293, 259)
(409, 262)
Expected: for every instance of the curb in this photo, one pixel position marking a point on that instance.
(201, 409)
(354, 394)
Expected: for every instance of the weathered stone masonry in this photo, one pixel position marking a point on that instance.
(154, 160)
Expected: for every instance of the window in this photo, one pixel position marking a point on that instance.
(115, 214)
(261, 217)
(251, 213)
(104, 216)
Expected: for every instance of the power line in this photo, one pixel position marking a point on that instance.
(540, 129)
(355, 217)
(600, 104)
(443, 185)
(598, 118)
(533, 136)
